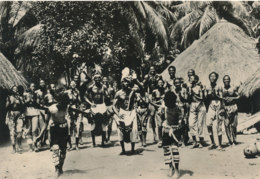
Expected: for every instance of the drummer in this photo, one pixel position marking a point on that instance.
(123, 106)
(96, 95)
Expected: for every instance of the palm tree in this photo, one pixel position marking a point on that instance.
(15, 19)
(196, 18)
(148, 18)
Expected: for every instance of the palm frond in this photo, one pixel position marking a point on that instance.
(139, 7)
(207, 20)
(190, 34)
(184, 22)
(166, 12)
(18, 11)
(183, 7)
(155, 23)
(241, 9)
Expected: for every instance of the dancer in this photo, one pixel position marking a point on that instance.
(97, 117)
(197, 116)
(230, 96)
(123, 107)
(109, 103)
(14, 118)
(171, 133)
(143, 116)
(215, 110)
(73, 118)
(150, 83)
(59, 131)
(157, 101)
(31, 117)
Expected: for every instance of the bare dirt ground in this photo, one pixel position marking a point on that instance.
(98, 163)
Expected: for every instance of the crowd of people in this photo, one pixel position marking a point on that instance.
(176, 110)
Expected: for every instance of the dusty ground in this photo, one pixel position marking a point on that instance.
(147, 163)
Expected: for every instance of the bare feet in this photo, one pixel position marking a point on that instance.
(170, 171)
(176, 174)
(122, 153)
(212, 146)
(195, 145)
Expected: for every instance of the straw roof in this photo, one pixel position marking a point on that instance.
(225, 49)
(30, 38)
(250, 85)
(9, 76)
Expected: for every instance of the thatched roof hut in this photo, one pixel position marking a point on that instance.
(9, 75)
(251, 85)
(226, 49)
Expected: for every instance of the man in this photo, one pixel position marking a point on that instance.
(172, 72)
(182, 97)
(58, 131)
(142, 111)
(230, 97)
(31, 116)
(215, 110)
(197, 117)
(109, 103)
(14, 118)
(123, 107)
(98, 119)
(191, 72)
(157, 101)
(74, 120)
(150, 82)
(40, 94)
(171, 133)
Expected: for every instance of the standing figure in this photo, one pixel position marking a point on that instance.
(150, 83)
(142, 111)
(182, 97)
(230, 97)
(157, 101)
(73, 118)
(171, 133)
(40, 94)
(123, 106)
(197, 116)
(31, 117)
(215, 110)
(169, 82)
(14, 118)
(97, 117)
(109, 103)
(49, 99)
(56, 113)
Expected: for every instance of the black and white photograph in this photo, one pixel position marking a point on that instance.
(130, 89)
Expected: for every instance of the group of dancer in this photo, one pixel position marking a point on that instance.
(174, 108)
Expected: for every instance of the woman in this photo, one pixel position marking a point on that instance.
(14, 118)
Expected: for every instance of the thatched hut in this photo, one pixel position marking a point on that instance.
(9, 77)
(251, 90)
(225, 49)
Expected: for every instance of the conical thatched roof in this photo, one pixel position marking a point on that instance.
(250, 85)
(9, 76)
(226, 49)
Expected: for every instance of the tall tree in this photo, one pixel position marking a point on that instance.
(196, 18)
(15, 18)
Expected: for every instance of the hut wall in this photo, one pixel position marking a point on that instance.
(255, 101)
(4, 132)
